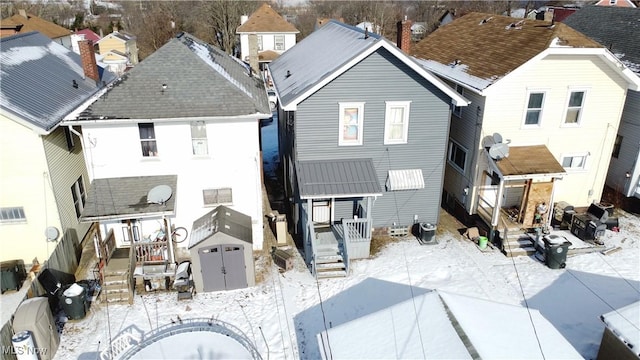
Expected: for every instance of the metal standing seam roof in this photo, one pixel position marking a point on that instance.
(221, 219)
(37, 80)
(201, 81)
(616, 28)
(329, 51)
(126, 198)
(337, 178)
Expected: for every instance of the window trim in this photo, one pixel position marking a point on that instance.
(527, 108)
(275, 42)
(199, 139)
(584, 154)
(71, 144)
(153, 140)
(457, 110)
(79, 196)
(348, 105)
(406, 105)
(451, 160)
(217, 196)
(581, 108)
(617, 145)
(17, 215)
(259, 42)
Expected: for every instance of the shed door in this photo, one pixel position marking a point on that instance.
(212, 268)
(234, 268)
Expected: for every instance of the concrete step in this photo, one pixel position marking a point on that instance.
(323, 259)
(330, 274)
(331, 266)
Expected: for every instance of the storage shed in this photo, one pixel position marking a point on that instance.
(221, 251)
(35, 316)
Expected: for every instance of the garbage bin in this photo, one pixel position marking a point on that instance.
(555, 251)
(427, 233)
(74, 301)
(13, 275)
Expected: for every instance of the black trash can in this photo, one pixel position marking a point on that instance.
(74, 301)
(555, 251)
(13, 275)
(427, 233)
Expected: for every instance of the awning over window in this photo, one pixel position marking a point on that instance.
(409, 179)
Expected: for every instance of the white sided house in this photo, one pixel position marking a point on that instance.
(552, 96)
(190, 112)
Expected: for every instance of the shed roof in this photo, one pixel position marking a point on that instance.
(221, 219)
(326, 54)
(126, 198)
(529, 160)
(615, 28)
(625, 323)
(265, 20)
(488, 46)
(37, 80)
(201, 81)
(34, 23)
(337, 178)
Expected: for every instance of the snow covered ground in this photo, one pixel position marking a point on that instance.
(283, 315)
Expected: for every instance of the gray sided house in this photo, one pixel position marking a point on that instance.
(617, 29)
(362, 133)
(220, 249)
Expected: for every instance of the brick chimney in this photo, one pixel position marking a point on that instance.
(404, 36)
(88, 58)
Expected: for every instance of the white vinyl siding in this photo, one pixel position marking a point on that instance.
(351, 123)
(396, 124)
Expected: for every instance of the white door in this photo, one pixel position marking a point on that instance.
(321, 212)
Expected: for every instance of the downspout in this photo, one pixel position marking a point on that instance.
(476, 142)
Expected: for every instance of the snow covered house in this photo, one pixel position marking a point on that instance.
(546, 106)
(617, 29)
(362, 136)
(189, 113)
(43, 173)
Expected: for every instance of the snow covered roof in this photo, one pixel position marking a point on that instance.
(616, 28)
(441, 325)
(625, 323)
(327, 53)
(38, 77)
(185, 78)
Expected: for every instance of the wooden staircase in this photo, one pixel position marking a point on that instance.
(518, 244)
(330, 262)
(115, 287)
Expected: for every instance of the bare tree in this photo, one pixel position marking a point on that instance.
(223, 18)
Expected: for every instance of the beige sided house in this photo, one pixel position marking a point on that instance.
(121, 44)
(546, 103)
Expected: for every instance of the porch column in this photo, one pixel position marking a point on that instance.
(498, 204)
(369, 220)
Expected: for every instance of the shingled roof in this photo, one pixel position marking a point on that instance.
(491, 46)
(265, 20)
(34, 23)
(184, 78)
(616, 28)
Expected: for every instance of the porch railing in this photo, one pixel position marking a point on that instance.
(309, 236)
(155, 251)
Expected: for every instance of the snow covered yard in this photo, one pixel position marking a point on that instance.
(284, 314)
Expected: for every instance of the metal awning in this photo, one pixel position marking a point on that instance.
(126, 198)
(409, 179)
(318, 179)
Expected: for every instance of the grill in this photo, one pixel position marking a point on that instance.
(592, 225)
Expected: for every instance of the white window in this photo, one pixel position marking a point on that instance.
(214, 197)
(199, 138)
(79, 196)
(534, 109)
(351, 123)
(574, 161)
(148, 139)
(396, 123)
(259, 42)
(457, 110)
(278, 42)
(69, 137)
(574, 107)
(12, 214)
(457, 156)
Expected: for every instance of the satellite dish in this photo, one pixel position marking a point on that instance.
(499, 151)
(497, 138)
(159, 194)
(51, 233)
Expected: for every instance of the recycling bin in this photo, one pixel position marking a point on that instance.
(555, 251)
(427, 233)
(74, 301)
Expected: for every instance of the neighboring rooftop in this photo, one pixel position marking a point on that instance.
(616, 28)
(488, 46)
(31, 22)
(43, 81)
(266, 20)
(89, 35)
(184, 78)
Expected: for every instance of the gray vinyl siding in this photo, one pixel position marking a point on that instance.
(630, 148)
(379, 78)
(65, 167)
